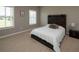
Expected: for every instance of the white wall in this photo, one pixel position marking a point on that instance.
(71, 12)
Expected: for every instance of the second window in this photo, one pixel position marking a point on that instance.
(32, 17)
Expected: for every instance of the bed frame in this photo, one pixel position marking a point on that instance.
(52, 19)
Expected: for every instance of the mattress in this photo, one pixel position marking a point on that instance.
(52, 36)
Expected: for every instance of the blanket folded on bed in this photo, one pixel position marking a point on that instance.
(54, 26)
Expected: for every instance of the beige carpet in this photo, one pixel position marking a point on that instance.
(24, 43)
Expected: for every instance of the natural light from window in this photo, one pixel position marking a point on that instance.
(32, 17)
(6, 17)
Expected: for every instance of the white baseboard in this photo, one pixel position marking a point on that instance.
(14, 34)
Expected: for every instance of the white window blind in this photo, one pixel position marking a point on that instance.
(6, 17)
(32, 17)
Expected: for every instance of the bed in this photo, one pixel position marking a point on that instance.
(51, 37)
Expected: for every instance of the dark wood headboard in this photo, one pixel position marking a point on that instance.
(57, 19)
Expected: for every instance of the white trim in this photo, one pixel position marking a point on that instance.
(14, 34)
(7, 28)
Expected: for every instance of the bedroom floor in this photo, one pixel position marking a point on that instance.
(24, 43)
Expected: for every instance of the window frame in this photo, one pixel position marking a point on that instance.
(35, 15)
(9, 27)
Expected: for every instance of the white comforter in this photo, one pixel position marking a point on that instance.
(53, 36)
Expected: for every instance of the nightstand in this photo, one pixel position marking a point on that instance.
(74, 33)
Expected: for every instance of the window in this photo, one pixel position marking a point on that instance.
(6, 17)
(32, 17)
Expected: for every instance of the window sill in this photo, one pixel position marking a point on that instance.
(32, 24)
(6, 28)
